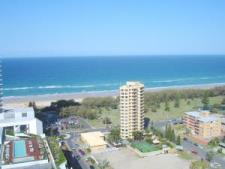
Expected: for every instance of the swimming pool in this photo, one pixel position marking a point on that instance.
(19, 149)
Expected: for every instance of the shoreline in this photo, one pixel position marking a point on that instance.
(46, 99)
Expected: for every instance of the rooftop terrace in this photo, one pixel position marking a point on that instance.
(203, 116)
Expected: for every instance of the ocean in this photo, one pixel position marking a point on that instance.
(55, 75)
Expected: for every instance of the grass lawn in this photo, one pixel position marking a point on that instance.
(174, 112)
(161, 114)
(185, 155)
(113, 114)
(144, 147)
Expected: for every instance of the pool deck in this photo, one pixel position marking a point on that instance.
(36, 152)
(30, 151)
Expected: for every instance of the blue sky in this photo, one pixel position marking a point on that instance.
(111, 27)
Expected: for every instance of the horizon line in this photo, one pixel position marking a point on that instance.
(116, 55)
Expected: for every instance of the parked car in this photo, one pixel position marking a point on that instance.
(196, 144)
(77, 157)
(81, 152)
(185, 139)
(194, 152)
(215, 165)
(92, 167)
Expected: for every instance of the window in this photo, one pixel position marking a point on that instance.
(9, 115)
(24, 114)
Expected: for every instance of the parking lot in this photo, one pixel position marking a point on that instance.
(125, 158)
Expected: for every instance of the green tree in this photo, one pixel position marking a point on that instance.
(114, 135)
(178, 141)
(149, 140)
(138, 135)
(209, 156)
(177, 101)
(214, 142)
(223, 101)
(205, 100)
(170, 134)
(88, 150)
(33, 104)
(188, 102)
(107, 120)
(167, 107)
(103, 164)
(173, 137)
(220, 150)
(214, 110)
(154, 108)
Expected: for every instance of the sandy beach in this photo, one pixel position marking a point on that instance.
(45, 100)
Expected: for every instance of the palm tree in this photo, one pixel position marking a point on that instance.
(103, 164)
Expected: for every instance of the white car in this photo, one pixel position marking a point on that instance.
(215, 165)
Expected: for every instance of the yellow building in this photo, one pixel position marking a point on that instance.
(131, 109)
(203, 124)
(94, 140)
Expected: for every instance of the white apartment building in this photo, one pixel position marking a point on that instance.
(131, 109)
(22, 120)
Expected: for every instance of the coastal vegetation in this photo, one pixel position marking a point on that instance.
(159, 105)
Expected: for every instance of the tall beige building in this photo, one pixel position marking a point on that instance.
(131, 109)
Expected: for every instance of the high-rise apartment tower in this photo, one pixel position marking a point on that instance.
(131, 109)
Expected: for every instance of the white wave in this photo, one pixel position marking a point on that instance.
(188, 78)
(64, 86)
(169, 80)
(48, 87)
(18, 88)
(59, 87)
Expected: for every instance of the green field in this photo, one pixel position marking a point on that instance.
(144, 147)
(161, 114)
(113, 114)
(174, 112)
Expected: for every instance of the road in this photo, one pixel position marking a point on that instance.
(189, 146)
(73, 146)
(202, 152)
(73, 139)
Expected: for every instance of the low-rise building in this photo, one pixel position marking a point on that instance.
(94, 140)
(24, 153)
(21, 120)
(203, 124)
(18, 149)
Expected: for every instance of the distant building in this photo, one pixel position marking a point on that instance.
(131, 109)
(1, 84)
(21, 120)
(94, 140)
(203, 124)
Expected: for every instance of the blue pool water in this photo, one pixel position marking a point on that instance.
(19, 149)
